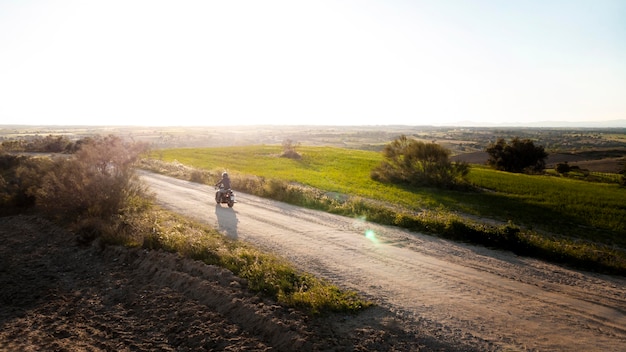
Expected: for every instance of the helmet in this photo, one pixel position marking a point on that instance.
(225, 174)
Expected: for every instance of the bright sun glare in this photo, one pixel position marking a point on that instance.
(321, 62)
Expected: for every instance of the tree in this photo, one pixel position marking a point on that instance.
(520, 155)
(418, 163)
(563, 168)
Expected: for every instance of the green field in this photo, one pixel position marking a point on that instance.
(553, 218)
(590, 210)
(578, 209)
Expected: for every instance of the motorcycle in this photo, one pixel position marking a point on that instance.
(225, 196)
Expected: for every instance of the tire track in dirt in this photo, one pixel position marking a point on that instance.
(458, 292)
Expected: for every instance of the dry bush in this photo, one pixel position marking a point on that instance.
(21, 176)
(98, 181)
(200, 176)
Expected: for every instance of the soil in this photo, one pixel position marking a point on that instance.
(60, 295)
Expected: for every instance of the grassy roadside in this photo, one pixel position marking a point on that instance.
(535, 218)
(158, 229)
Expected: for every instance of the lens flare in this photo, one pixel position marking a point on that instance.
(371, 235)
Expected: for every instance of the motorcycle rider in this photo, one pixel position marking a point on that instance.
(225, 183)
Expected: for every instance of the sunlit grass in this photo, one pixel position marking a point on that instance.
(577, 208)
(265, 273)
(556, 203)
(343, 171)
(544, 216)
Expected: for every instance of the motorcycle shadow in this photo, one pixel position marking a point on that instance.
(227, 221)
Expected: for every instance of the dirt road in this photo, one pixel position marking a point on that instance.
(461, 292)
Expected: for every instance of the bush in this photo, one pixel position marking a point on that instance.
(199, 176)
(21, 176)
(418, 163)
(517, 156)
(563, 168)
(97, 182)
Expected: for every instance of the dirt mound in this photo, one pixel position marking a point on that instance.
(58, 295)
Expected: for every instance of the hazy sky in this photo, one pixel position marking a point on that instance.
(337, 62)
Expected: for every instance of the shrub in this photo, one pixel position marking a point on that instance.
(21, 176)
(517, 156)
(98, 181)
(563, 168)
(198, 176)
(418, 163)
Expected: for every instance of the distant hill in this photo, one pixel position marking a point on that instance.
(621, 123)
(594, 124)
